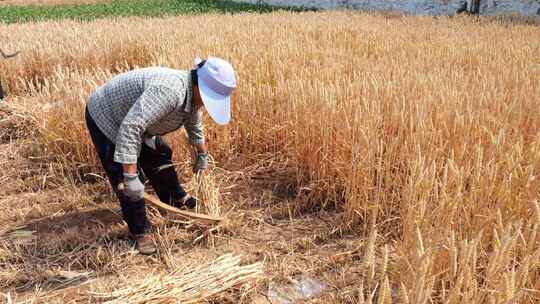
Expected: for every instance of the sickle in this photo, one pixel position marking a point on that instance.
(186, 214)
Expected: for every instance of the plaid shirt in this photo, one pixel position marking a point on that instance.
(143, 103)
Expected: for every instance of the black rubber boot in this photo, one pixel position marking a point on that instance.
(134, 214)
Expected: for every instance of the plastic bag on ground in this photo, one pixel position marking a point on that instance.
(301, 288)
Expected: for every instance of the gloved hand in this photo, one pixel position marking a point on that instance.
(201, 163)
(187, 201)
(151, 142)
(133, 187)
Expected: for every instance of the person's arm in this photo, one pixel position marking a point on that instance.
(195, 131)
(130, 168)
(201, 148)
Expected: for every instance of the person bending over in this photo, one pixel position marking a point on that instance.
(126, 118)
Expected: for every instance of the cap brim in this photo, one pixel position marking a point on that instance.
(218, 106)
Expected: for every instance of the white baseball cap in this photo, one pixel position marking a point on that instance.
(216, 81)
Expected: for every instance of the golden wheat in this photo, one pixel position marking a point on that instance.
(424, 131)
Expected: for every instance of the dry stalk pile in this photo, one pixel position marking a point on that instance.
(15, 122)
(193, 284)
(430, 126)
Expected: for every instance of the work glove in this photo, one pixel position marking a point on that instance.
(133, 187)
(201, 163)
(187, 201)
(151, 142)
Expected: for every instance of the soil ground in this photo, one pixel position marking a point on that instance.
(58, 241)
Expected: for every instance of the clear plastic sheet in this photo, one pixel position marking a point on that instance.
(301, 288)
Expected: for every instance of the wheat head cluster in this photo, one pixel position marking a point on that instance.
(423, 133)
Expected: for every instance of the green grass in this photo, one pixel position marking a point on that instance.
(26, 13)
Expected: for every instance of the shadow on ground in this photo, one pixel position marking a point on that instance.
(80, 220)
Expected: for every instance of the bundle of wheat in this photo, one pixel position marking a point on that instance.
(208, 193)
(188, 285)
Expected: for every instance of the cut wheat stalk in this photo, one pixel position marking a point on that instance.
(188, 285)
(207, 192)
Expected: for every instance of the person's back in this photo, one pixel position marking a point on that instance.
(111, 102)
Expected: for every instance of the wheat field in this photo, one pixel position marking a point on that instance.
(422, 134)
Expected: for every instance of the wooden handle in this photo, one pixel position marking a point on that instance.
(187, 214)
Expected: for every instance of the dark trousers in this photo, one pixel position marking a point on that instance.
(154, 164)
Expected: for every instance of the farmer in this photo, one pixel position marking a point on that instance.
(126, 118)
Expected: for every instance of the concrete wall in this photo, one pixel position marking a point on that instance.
(419, 7)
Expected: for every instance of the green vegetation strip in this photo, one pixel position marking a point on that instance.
(26, 13)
